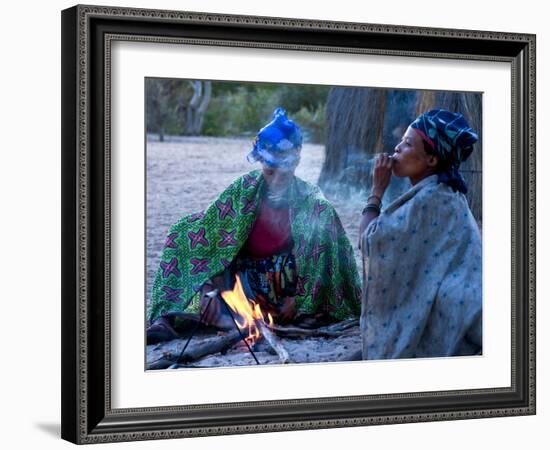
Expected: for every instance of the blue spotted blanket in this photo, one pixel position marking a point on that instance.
(422, 293)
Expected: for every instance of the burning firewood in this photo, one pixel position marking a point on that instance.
(273, 341)
(251, 317)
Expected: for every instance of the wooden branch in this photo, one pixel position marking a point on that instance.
(196, 351)
(273, 341)
(214, 345)
(344, 325)
(299, 332)
(160, 364)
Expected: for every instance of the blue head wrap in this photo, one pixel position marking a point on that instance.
(277, 144)
(451, 139)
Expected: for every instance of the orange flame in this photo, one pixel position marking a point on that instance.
(247, 311)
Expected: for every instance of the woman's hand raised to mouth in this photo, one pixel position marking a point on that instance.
(382, 173)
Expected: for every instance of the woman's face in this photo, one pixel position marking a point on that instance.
(277, 178)
(411, 160)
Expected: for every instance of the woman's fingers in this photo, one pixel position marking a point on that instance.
(383, 160)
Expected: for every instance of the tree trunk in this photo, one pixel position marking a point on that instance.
(361, 122)
(469, 105)
(203, 105)
(196, 107)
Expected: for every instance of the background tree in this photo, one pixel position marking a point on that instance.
(192, 110)
(176, 107)
(222, 108)
(157, 97)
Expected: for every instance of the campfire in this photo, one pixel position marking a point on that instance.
(249, 313)
(252, 318)
(265, 340)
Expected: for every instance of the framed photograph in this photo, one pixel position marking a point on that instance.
(267, 222)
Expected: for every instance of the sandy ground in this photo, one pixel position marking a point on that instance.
(186, 176)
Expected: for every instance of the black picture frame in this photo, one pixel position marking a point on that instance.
(87, 415)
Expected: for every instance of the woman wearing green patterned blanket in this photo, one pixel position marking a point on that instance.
(275, 231)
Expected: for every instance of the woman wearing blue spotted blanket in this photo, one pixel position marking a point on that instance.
(422, 252)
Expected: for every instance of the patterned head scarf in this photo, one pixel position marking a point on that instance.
(451, 139)
(278, 144)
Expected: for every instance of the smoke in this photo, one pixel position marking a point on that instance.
(354, 182)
